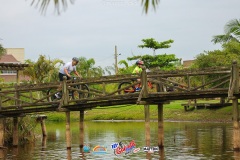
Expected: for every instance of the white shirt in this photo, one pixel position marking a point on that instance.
(69, 68)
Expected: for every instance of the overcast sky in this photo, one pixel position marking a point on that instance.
(91, 28)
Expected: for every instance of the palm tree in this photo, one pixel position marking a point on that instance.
(232, 32)
(62, 4)
(87, 68)
(44, 70)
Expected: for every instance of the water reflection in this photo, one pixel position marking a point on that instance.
(181, 141)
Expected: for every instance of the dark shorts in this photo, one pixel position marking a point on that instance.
(60, 75)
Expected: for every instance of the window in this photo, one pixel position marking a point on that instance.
(9, 72)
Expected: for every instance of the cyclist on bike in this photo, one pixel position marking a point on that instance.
(66, 71)
(138, 70)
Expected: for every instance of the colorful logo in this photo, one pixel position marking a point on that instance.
(150, 149)
(120, 148)
(86, 148)
(99, 150)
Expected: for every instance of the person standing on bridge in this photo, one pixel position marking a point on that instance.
(66, 70)
(138, 70)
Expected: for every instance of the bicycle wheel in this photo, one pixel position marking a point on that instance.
(78, 94)
(129, 89)
(52, 97)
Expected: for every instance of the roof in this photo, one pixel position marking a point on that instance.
(8, 58)
(12, 66)
(187, 63)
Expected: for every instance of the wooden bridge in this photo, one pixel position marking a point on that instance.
(105, 91)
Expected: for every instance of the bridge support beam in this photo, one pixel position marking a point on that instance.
(160, 126)
(68, 131)
(2, 138)
(41, 119)
(15, 131)
(147, 125)
(81, 129)
(236, 125)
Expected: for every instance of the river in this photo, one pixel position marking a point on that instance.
(182, 141)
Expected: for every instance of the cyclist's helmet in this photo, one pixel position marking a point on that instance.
(139, 62)
(75, 59)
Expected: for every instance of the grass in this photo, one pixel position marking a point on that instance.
(173, 111)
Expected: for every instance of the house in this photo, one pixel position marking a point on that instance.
(13, 56)
(188, 63)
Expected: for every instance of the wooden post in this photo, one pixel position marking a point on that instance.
(147, 125)
(104, 88)
(68, 131)
(144, 82)
(18, 79)
(160, 126)
(41, 119)
(189, 88)
(65, 91)
(203, 82)
(146, 107)
(160, 121)
(15, 131)
(17, 102)
(44, 129)
(44, 142)
(222, 100)
(69, 154)
(31, 96)
(1, 132)
(236, 126)
(81, 128)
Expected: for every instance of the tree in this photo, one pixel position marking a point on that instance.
(232, 32)
(163, 61)
(62, 4)
(44, 70)
(127, 69)
(217, 58)
(2, 50)
(87, 69)
(154, 45)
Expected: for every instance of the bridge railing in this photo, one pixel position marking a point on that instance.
(35, 97)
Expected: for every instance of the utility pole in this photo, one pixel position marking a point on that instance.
(116, 65)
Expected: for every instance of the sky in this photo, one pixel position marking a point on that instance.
(92, 28)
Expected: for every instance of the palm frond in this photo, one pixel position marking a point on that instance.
(146, 5)
(58, 4)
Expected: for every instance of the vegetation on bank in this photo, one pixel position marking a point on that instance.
(172, 112)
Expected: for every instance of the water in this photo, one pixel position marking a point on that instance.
(182, 141)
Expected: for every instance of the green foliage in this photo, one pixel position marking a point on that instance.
(2, 50)
(127, 69)
(219, 58)
(163, 61)
(62, 4)
(87, 68)
(26, 128)
(44, 70)
(146, 4)
(232, 33)
(154, 45)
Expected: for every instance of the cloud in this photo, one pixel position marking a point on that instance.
(92, 28)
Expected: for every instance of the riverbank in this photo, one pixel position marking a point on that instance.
(172, 112)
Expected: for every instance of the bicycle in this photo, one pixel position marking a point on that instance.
(73, 94)
(131, 88)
